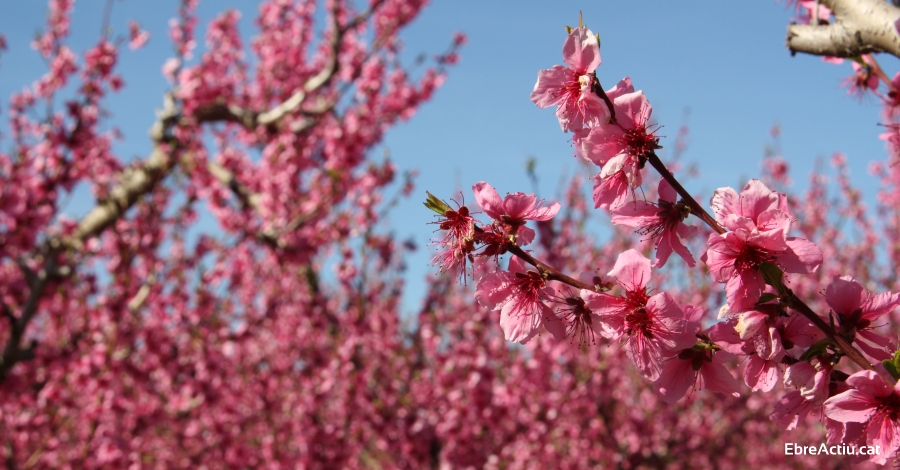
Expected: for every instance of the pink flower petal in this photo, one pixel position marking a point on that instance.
(883, 431)
(635, 214)
(750, 323)
(879, 305)
(555, 325)
(790, 410)
(675, 239)
(845, 294)
(518, 328)
(803, 257)
(488, 199)
(760, 374)
(798, 330)
(518, 204)
(632, 270)
(725, 337)
(743, 290)
(666, 191)
(524, 236)
(581, 51)
(774, 220)
(799, 374)
(756, 198)
(720, 256)
(716, 378)
(539, 213)
(882, 349)
(725, 202)
(492, 289)
(623, 87)
(870, 383)
(607, 308)
(645, 356)
(674, 380)
(850, 406)
(633, 109)
(611, 192)
(549, 82)
(602, 144)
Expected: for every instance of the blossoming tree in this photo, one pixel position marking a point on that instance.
(127, 343)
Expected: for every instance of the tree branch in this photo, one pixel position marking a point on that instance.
(860, 27)
(851, 352)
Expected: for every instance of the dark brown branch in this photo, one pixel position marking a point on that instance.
(548, 272)
(692, 203)
(798, 305)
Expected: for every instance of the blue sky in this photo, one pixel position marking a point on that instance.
(725, 61)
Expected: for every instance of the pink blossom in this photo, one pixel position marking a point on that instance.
(697, 367)
(519, 295)
(862, 80)
(758, 330)
(892, 98)
(620, 147)
(764, 335)
(812, 380)
(791, 409)
(458, 243)
(874, 402)
(571, 89)
(759, 221)
(663, 222)
(756, 338)
(137, 36)
(648, 325)
(619, 143)
(761, 374)
(512, 211)
(581, 321)
(756, 208)
(612, 191)
(856, 310)
(700, 367)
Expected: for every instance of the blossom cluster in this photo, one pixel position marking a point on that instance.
(749, 249)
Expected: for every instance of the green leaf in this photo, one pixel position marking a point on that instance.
(766, 297)
(436, 204)
(773, 276)
(816, 350)
(891, 367)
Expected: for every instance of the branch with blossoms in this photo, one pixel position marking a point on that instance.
(749, 249)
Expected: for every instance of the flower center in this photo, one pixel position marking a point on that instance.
(638, 320)
(639, 141)
(668, 216)
(578, 316)
(697, 356)
(529, 285)
(752, 257)
(890, 405)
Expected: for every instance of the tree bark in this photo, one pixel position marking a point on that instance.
(860, 27)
